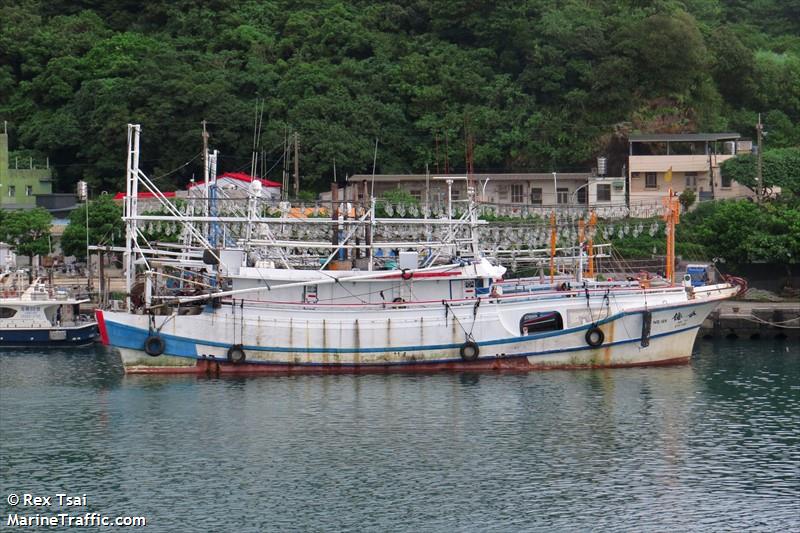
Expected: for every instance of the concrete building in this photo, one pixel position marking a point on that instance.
(19, 187)
(694, 159)
(543, 189)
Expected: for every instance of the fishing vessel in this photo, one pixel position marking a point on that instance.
(43, 317)
(254, 288)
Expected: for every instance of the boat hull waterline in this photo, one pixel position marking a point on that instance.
(427, 339)
(76, 336)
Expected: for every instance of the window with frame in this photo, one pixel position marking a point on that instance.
(726, 181)
(691, 180)
(502, 192)
(416, 194)
(562, 196)
(580, 195)
(29, 190)
(604, 192)
(536, 196)
(7, 312)
(456, 194)
(541, 322)
(651, 180)
(12, 190)
(517, 195)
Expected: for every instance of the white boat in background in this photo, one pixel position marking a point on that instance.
(252, 288)
(42, 317)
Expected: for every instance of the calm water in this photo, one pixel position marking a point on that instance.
(714, 445)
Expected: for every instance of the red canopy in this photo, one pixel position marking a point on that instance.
(239, 176)
(146, 194)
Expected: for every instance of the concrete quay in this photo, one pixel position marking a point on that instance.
(753, 320)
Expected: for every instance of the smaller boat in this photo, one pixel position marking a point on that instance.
(43, 317)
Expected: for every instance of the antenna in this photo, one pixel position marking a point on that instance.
(285, 175)
(205, 164)
(374, 161)
(436, 148)
(446, 150)
(253, 150)
(296, 164)
(258, 122)
(469, 147)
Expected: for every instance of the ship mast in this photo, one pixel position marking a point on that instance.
(131, 209)
(553, 240)
(672, 216)
(592, 225)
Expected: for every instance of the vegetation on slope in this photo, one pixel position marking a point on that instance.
(540, 84)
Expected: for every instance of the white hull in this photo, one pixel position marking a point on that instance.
(420, 336)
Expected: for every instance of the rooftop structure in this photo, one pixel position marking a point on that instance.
(19, 187)
(658, 162)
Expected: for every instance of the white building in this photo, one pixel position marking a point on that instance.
(545, 190)
(694, 160)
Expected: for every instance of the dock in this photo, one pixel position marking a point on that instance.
(753, 320)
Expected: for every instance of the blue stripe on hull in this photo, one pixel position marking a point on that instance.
(21, 338)
(125, 336)
(129, 337)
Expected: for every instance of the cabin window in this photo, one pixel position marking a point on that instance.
(533, 323)
(603, 192)
(7, 312)
(310, 294)
(482, 287)
(517, 195)
(691, 181)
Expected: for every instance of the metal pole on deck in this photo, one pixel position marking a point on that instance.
(205, 167)
(130, 207)
(759, 161)
(296, 165)
(553, 240)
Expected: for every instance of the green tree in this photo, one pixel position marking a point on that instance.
(686, 199)
(781, 168)
(540, 85)
(28, 232)
(740, 231)
(394, 197)
(105, 226)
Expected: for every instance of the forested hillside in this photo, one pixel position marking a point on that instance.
(539, 84)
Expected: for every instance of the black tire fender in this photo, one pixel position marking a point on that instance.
(154, 346)
(595, 336)
(236, 354)
(469, 351)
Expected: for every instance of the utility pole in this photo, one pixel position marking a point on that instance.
(759, 161)
(205, 165)
(285, 174)
(296, 165)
